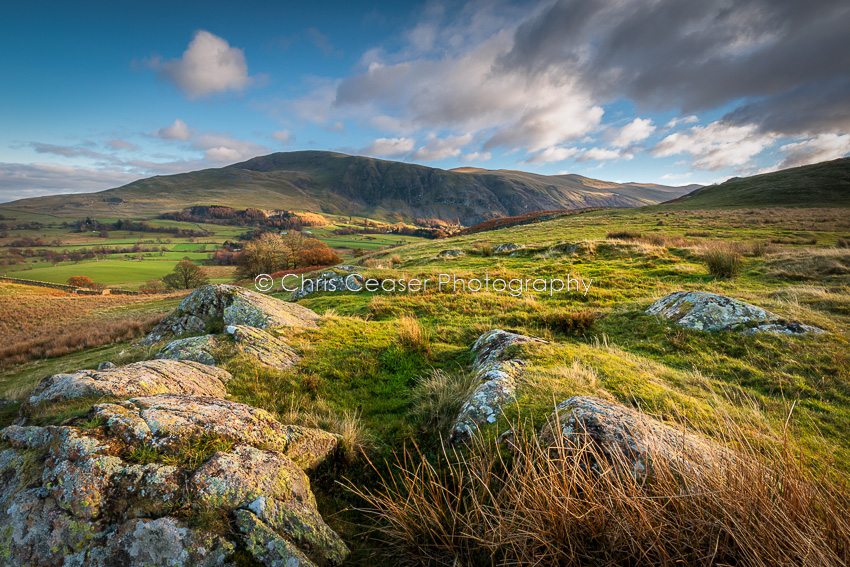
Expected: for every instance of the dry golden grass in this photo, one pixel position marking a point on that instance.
(809, 263)
(412, 335)
(40, 325)
(574, 505)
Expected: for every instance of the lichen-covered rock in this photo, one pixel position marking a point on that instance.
(709, 312)
(69, 498)
(235, 479)
(451, 253)
(231, 305)
(496, 376)
(106, 365)
(270, 350)
(266, 546)
(138, 379)
(199, 349)
(626, 437)
(506, 248)
(165, 421)
(329, 281)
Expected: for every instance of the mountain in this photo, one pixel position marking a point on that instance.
(341, 184)
(825, 184)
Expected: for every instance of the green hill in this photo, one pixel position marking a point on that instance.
(336, 183)
(825, 184)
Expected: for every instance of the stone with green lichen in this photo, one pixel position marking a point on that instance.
(232, 305)
(268, 349)
(144, 378)
(198, 349)
(266, 546)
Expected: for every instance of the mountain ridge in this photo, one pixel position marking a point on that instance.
(335, 183)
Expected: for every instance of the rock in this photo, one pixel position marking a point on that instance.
(451, 253)
(68, 496)
(496, 376)
(231, 305)
(624, 436)
(270, 350)
(199, 349)
(105, 365)
(138, 379)
(168, 420)
(506, 248)
(329, 281)
(709, 312)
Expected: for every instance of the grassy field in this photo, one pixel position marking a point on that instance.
(367, 371)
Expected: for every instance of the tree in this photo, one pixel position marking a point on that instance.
(81, 281)
(316, 253)
(186, 275)
(264, 255)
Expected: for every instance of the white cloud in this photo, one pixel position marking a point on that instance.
(222, 154)
(389, 147)
(221, 147)
(477, 156)
(117, 144)
(177, 131)
(209, 65)
(601, 154)
(823, 148)
(553, 154)
(717, 145)
(18, 180)
(285, 137)
(682, 120)
(442, 148)
(637, 130)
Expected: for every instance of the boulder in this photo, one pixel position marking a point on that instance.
(451, 253)
(329, 281)
(72, 497)
(626, 437)
(167, 420)
(199, 349)
(137, 379)
(496, 375)
(703, 311)
(105, 365)
(506, 248)
(230, 305)
(268, 349)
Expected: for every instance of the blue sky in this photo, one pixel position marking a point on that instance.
(98, 94)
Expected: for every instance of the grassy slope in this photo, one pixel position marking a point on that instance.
(818, 185)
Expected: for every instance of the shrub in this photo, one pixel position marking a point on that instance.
(153, 286)
(758, 248)
(357, 252)
(437, 398)
(315, 253)
(722, 260)
(570, 322)
(483, 248)
(81, 281)
(395, 259)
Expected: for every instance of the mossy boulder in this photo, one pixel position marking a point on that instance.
(496, 373)
(268, 349)
(221, 305)
(625, 437)
(703, 311)
(137, 379)
(198, 349)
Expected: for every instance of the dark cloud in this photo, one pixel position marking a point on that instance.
(675, 54)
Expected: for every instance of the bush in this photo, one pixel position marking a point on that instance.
(722, 261)
(81, 281)
(483, 248)
(395, 259)
(153, 286)
(758, 248)
(357, 252)
(315, 253)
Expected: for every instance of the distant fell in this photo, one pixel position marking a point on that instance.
(334, 183)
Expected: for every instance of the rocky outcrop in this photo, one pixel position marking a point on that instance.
(496, 374)
(506, 248)
(451, 253)
(229, 305)
(625, 437)
(80, 497)
(329, 281)
(268, 349)
(163, 421)
(138, 379)
(199, 349)
(709, 312)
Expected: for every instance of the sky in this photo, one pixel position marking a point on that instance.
(94, 95)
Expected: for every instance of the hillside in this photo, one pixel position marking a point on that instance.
(341, 184)
(825, 184)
